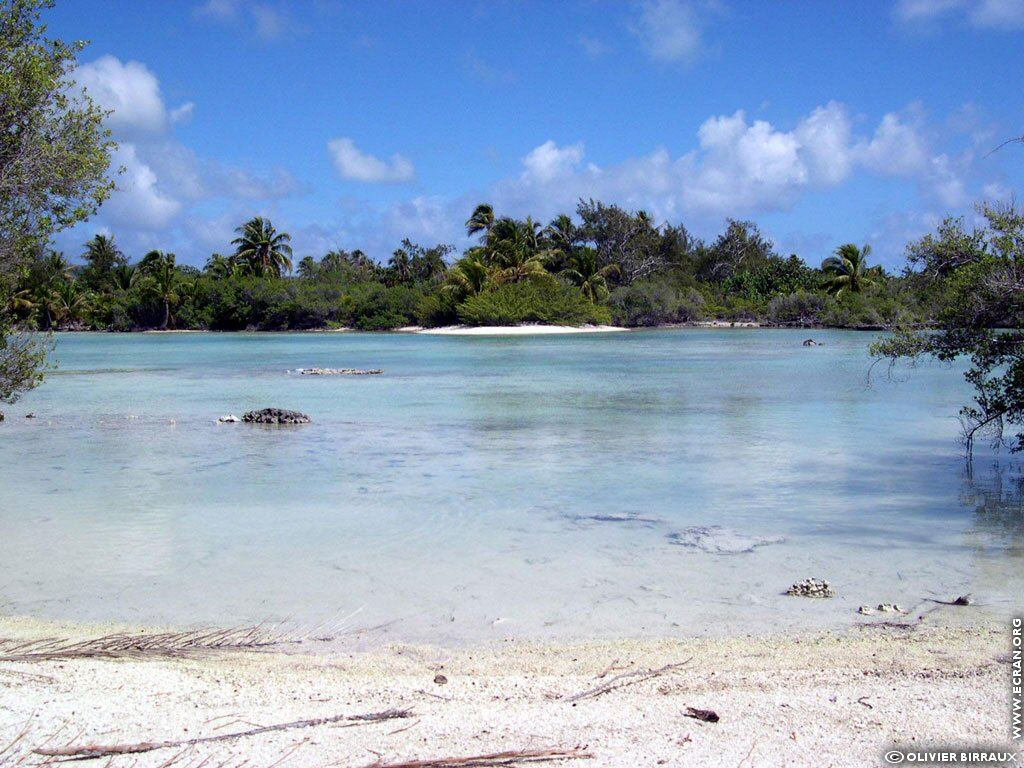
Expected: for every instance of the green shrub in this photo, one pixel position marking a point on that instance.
(436, 310)
(547, 301)
(800, 308)
(648, 303)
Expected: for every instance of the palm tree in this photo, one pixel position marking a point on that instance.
(219, 267)
(102, 256)
(583, 273)
(847, 268)
(513, 251)
(481, 221)
(560, 237)
(261, 249)
(67, 302)
(161, 280)
(56, 267)
(401, 265)
(123, 277)
(21, 301)
(308, 267)
(467, 277)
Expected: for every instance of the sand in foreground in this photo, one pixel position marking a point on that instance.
(823, 700)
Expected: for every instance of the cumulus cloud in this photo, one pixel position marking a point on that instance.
(743, 167)
(139, 201)
(358, 166)
(549, 160)
(897, 148)
(130, 89)
(163, 182)
(999, 14)
(669, 30)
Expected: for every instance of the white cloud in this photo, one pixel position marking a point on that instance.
(139, 202)
(998, 14)
(743, 167)
(669, 30)
(947, 179)
(165, 183)
(548, 161)
(897, 148)
(182, 114)
(824, 138)
(130, 89)
(357, 166)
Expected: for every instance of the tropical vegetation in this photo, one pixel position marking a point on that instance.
(604, 265)
(54, 157)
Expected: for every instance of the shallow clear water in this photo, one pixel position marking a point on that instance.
(451, 499)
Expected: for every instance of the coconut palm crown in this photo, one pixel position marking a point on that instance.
(847, 269)
(261, 249)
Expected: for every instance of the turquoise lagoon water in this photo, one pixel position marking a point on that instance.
(453, 498)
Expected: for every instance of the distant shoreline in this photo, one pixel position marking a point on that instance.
(502, 330)
(515, 330)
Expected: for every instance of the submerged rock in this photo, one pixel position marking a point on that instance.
(613, 517)
(275, 416)
(811, 588)
(339, 372)
(720, 541)
(229, 419)
(867, 610)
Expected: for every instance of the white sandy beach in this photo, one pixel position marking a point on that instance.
(516, 330)
(805, 700)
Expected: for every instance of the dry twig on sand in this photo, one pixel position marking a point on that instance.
(493, 759)
(627, 678)
(124, 645)
(97, 750)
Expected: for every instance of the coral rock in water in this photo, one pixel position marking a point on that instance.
(339, 372)
(275, 416)
(811, 588)
(720, 541)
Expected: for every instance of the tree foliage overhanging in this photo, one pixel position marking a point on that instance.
(976, 279)
(54, 157)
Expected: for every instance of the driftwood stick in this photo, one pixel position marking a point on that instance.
(493, 759)
(88, 751)
(627, 678)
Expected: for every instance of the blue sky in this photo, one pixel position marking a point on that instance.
(356, 124)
